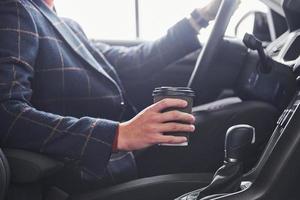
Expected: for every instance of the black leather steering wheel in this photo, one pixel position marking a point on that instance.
(208, 51)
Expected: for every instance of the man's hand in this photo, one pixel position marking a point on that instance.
(147, 128)
(210, 10)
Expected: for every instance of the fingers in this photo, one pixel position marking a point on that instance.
(171, 140)
(168, 103)
(176, 116)
(176, 127)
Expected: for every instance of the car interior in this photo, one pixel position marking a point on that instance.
(247, 108)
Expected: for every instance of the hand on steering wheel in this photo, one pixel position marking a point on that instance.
(222, 10)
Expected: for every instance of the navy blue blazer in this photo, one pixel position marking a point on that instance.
(61, 96)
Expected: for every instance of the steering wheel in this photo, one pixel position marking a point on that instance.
(208, 51)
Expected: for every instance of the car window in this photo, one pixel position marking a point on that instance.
(117, 19)
(156, 16)
(101, 19)
(245, 7)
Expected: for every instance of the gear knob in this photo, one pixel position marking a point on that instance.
(237, 142)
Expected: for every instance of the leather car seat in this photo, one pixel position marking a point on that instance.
(24, 172)
(218, 104)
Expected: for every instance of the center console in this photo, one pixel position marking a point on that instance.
(276, 174)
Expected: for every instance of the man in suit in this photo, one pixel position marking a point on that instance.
(62, 97)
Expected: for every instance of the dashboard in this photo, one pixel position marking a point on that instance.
(286, 49)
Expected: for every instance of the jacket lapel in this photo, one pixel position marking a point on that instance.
(69, 36)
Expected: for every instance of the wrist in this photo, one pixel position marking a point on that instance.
(198, 20)
(203, 12)
(115, 143)
(121, 142)
(194, 25)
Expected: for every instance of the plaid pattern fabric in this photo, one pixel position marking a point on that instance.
(61, 96)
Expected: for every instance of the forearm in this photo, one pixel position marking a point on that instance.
(83, 141)
(150, 56)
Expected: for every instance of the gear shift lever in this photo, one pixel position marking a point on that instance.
(238, 140)
(228, 177)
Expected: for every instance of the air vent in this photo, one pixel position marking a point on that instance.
(294, 51)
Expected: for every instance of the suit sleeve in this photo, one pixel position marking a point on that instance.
(85, 141)
(179, 41)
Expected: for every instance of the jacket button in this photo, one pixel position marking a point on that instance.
(123, 105)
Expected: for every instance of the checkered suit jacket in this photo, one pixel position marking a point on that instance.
(61, 96)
